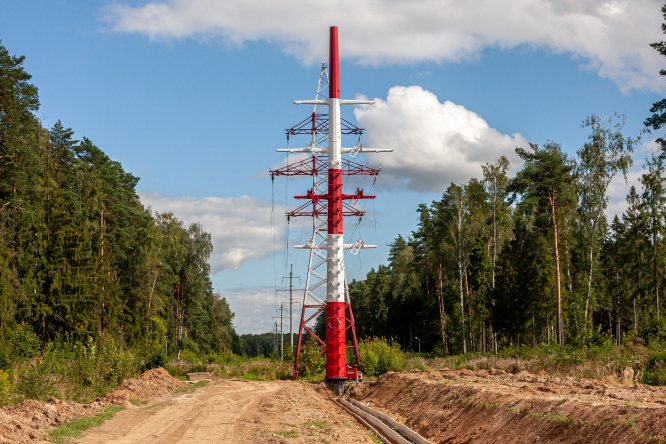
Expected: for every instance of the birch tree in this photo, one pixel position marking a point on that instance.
(458, 242)
(607, 153)
(495, 180)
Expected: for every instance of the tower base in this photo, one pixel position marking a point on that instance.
(352, 370)
(338, 386)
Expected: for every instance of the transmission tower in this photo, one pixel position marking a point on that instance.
(328, 292)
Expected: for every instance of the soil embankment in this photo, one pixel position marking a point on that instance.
(29, 421)
(457, 407)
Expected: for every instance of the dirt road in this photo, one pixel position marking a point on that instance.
(233, 411)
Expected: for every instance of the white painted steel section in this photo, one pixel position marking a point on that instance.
(334, 135)
(335, 285)
(395, 425)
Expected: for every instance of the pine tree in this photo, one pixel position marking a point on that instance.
(547, 176)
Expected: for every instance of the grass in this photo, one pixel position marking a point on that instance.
(253, 377)
(283, 433)
(629, 364)
(137, 402)
(75, 429)
(190, 388)
(375, 438)
(317, 424)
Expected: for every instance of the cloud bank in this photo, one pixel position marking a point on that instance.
(251, 304)
(611, 36)
(435, 143)
(240, 227)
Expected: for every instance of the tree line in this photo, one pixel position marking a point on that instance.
(532, 259)
(79, 254)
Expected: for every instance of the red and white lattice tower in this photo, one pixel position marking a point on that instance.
(328, 161)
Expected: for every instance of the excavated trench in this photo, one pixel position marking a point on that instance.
(462, 406)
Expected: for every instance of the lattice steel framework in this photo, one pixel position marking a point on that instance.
(328, 207)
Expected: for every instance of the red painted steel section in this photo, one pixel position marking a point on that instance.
(317, 165)
(333, 66)
(318, 123)
(336, 349)
(333, 206)
(334, 198)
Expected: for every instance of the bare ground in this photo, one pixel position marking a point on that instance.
(234, 411)
(462, 406)
(455, 407)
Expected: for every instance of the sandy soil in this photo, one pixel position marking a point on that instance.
(233, 411)
(29, 421)
(462, 406)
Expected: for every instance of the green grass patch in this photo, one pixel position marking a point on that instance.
(283, 433)
(137, 402)
(253, 377)
(75, 429)
(317, 424)
(375, 438)
(190, 388)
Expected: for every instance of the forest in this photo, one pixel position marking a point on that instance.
(529, 260)
(80, 257)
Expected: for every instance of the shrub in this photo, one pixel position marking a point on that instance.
(655, 369)
(24, 343)
(155, 361)
(308, 367)
(37, 383)
(379, 356)
(6, 388)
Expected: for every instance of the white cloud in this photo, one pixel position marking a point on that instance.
(434, 143)
(252, 307)
(251, 304)
(240, 227)
(612, 36)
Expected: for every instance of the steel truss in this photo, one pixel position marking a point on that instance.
(314, 295)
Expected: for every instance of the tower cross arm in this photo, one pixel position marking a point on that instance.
(366, 150)
(357, 102)
(325, 151)
(303, 150)
(346, 247)
(311, 102)
(317, 197)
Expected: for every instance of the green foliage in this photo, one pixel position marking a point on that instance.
(155, 361)
(80, 256)
(64, 433)
(379, 357)
(23, 343)
(7, 389)
(36, 382)
(308, 366)
(655, 369)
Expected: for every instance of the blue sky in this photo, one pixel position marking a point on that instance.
(193, 97)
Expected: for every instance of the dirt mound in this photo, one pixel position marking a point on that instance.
(28, 421)
(494, 407)
(152, 384)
